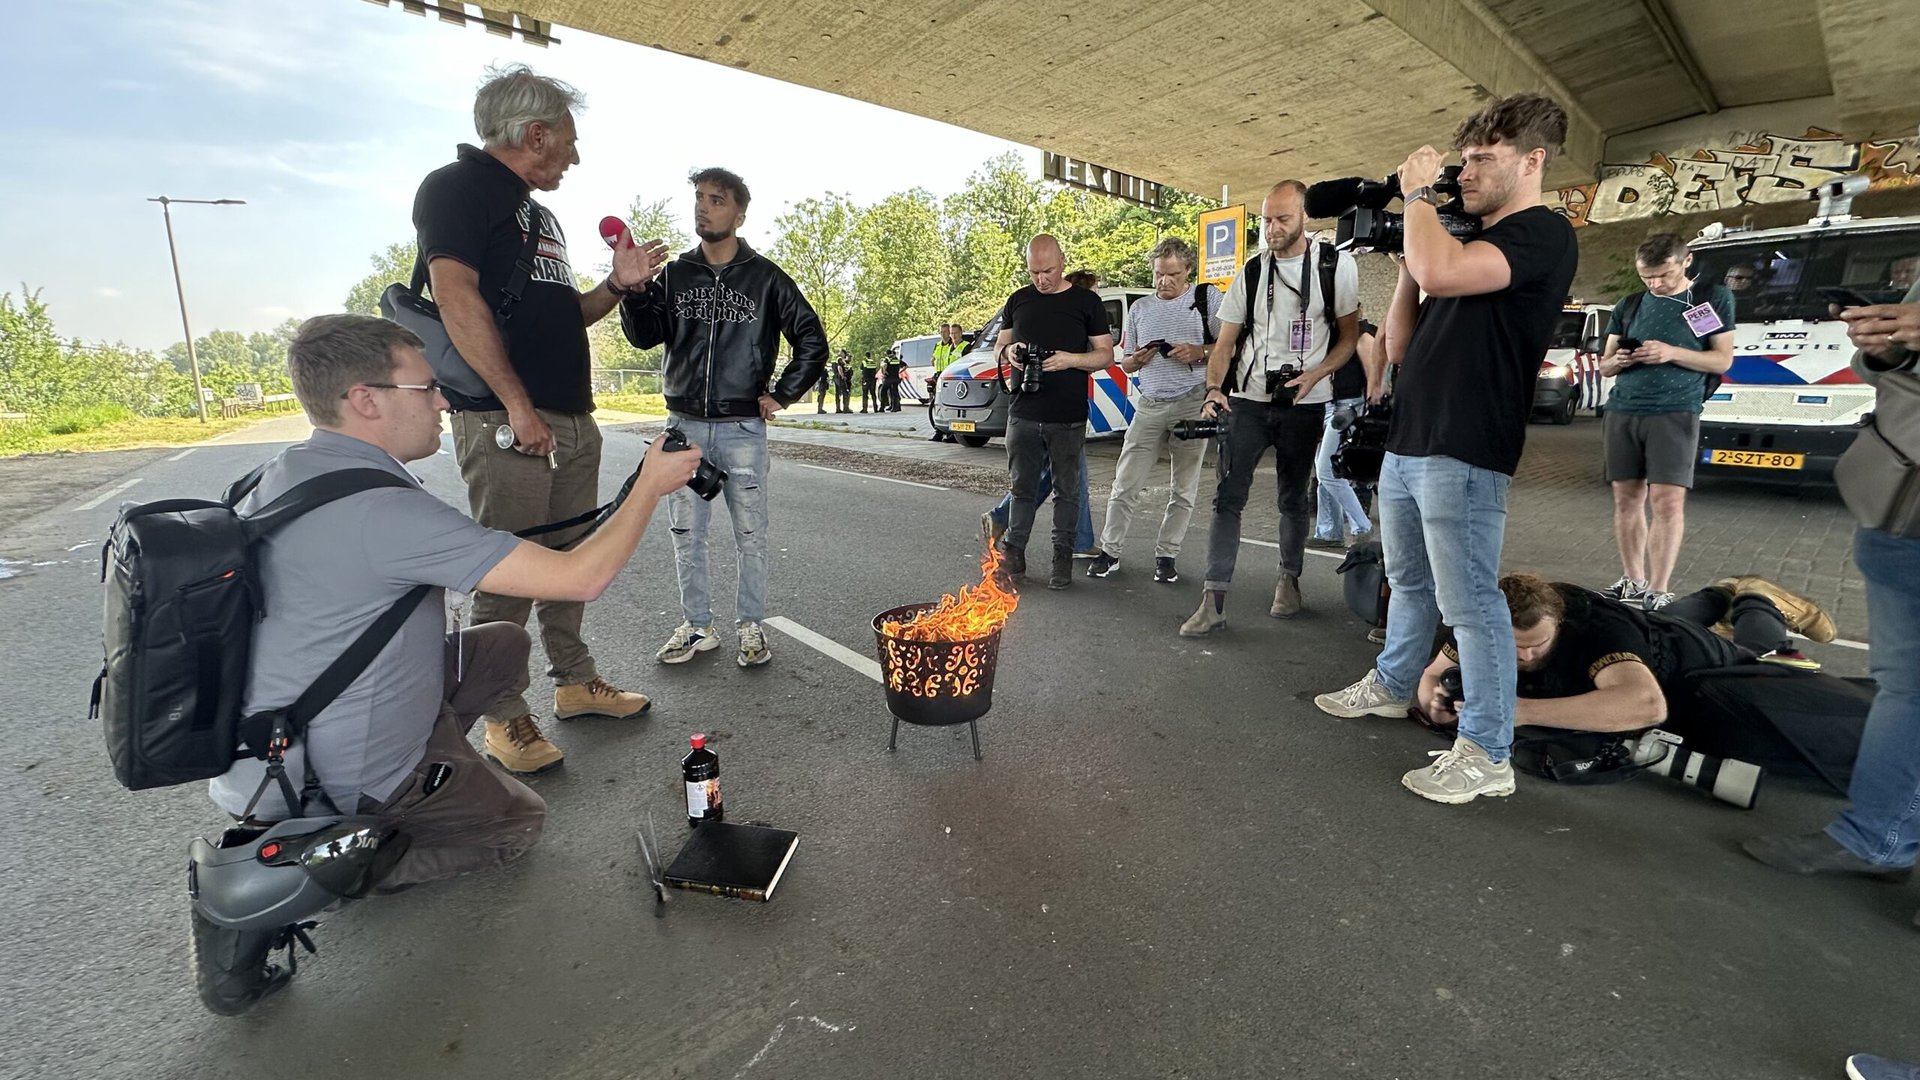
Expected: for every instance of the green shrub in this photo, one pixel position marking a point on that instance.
(74, 419)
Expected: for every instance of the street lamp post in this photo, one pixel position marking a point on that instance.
(193, 358)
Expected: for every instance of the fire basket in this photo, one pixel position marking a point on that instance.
(934, 683)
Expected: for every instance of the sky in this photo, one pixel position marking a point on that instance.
(325, 114)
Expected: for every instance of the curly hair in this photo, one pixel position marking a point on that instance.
(1531, 598)
(1523, 121)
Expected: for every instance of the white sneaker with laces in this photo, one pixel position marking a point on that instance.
(686, 641)
(1460, 775)
(753, 646)
(1368, 697)
(1654, 601)
(1626, 589)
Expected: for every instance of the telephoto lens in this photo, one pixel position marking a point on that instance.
(1204, 428)
(1734, 782)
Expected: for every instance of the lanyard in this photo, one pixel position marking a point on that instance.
(1304, 292)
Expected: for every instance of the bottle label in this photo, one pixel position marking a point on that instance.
(702, 797)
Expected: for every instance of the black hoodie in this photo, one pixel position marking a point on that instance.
(721, 327)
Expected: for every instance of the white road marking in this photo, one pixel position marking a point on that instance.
(183, 453)
(865, 476)
(1310, 551)
(107, 494)
(826, 646)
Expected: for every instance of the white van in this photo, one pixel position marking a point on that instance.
(918, 353)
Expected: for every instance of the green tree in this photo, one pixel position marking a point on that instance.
(901, 287)
(646, 220)
(820, 248)
(987, 225)
(389, 266)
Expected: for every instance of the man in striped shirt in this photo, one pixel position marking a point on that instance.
(1166, 353)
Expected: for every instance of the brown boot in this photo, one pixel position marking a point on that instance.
(520, 748)
(1207, 618)
(1803, 615)
(597, 697)
(1286, 597)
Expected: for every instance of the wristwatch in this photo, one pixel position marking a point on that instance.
(1423, 193)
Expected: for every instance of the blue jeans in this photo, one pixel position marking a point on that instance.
(740, 447)
(1082, 533)
(1442, 523)
(1337, 499)
(1883, 823)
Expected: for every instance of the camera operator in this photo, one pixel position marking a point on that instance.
(1049, 426)
(1166, 353)
(1588, 662)
(1281, 336)
(394, 743)
(1662, 347)
(1462, 400)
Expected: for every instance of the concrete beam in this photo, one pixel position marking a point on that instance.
(1872, 46)
(1469, 36)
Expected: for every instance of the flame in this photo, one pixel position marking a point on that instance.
(979, 610)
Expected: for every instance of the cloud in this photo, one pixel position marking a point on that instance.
(274, 312)
(107, 292)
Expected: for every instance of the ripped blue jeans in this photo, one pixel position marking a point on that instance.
(740, 447)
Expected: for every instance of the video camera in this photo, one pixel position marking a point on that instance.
(1365, 222)
(1363, 441)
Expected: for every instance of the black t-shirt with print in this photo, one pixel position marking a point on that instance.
(1065, 321)
(474, 211)
(1465, 389)
(1598, 632)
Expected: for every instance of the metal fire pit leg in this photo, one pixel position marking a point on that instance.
(893, 736)
(974, 730)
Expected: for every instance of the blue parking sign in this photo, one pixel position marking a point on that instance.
(1220, 239)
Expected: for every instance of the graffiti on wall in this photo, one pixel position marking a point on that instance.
(1746, 169)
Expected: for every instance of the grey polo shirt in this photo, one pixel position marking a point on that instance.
(327, 577)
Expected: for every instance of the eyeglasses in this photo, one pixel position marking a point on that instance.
(431, 386)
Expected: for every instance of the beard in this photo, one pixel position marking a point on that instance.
(1488, 196)
(1285, 240)
(710, 234)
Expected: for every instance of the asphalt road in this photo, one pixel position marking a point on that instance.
(1169, 863)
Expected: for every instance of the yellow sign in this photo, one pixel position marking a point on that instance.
(1223, 242)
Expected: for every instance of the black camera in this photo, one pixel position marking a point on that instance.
(1031, 357)
(1363, 441)
(1203, 428)
(1452, 689)
(707, 479)
(1277, 380)
(1365, 222)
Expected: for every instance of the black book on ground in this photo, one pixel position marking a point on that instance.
(733, 860)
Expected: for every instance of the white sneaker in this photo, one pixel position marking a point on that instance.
(686, 641)
(1364, 698)
(1460, 775)
(753, 646)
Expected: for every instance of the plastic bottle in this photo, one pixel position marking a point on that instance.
(701, 769)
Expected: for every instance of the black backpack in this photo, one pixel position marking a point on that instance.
(1328, 265)
(182, 598)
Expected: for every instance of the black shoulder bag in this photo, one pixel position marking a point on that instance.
(406, 305)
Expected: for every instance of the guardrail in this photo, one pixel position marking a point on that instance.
(233, 407)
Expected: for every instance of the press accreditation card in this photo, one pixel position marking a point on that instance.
(1300, 335)
(1703, 320)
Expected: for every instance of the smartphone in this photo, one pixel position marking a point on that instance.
(1163, 348)
(1843, 297)
(1628, 344)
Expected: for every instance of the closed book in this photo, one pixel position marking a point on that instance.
(733, 860)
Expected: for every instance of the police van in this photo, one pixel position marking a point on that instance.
(970, 405)
(917, 353)
(1791, 405)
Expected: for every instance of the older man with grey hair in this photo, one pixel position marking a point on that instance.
(529, 449)
(1165, 350)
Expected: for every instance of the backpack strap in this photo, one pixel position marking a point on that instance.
(1329, 266)
(310, 494)
(1200, 292)
(1629, 308)
(1250, 273)
(523, 267)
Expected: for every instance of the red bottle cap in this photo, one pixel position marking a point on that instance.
(699, 742)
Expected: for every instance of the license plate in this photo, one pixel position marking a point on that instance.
(961, 425)
(1754, 459)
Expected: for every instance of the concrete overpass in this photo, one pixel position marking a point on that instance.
(1312, 88)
